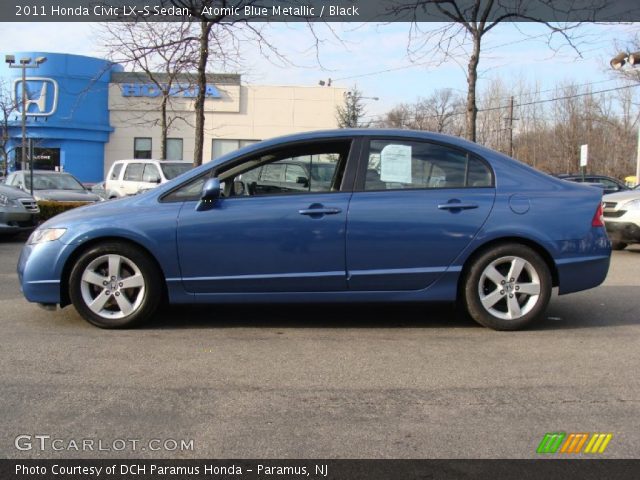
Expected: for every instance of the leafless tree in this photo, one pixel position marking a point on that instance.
(439, 113)
(160, 52)
(469, 22)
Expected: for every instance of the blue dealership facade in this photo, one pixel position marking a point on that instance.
(67, 112)
(84, 113)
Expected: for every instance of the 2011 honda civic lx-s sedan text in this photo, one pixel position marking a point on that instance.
(406, 217)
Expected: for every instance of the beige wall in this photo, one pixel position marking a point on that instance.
(243, 113)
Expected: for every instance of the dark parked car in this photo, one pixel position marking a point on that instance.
(608, 184)
(408, 217)
(52, 186)
(18, 211)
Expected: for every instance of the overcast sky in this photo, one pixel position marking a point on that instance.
(375, 57)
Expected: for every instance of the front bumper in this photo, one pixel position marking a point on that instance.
(625, 232)
(40, 270)
(17, 221)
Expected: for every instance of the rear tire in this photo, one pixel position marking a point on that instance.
(507, 287)
(115, 285)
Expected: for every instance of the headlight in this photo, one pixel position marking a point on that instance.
(45, 235)
(6, 201)
(632, 205)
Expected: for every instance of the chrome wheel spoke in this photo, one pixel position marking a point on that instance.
(98, 303)
(125, 305)
(532, 288)
(490, 300)
(93, 278)
(494, 275)
(513, 307)
(114, 266)
(132, 281)
(517, 264)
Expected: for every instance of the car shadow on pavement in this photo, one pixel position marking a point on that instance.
(310, 316)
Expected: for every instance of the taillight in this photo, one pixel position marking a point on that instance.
(598, 218)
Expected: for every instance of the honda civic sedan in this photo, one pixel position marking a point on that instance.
(407, 217)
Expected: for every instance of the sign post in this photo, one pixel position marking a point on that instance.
(584, 153)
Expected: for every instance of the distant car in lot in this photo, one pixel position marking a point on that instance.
(52, 186)
(130, 177)
(18, 211)
(408, 217)
(608, 184)
(98, 189)
(622, 217)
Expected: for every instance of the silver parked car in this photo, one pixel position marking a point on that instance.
(622, 217)
(52, 186)
(18, 211)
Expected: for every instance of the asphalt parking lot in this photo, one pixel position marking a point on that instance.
(322, 381)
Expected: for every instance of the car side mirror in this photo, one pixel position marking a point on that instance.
(211, 190)
(303, 181)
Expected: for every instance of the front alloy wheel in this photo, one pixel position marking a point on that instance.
(115, 285)
(507, 287)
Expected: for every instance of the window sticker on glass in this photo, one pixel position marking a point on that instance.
(395, 164)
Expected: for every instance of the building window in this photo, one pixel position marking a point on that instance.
(222, 146)
(174, 149)
(142, 147)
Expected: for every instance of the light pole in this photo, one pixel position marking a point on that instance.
(617, 63)
(25, 63)
(353, 106)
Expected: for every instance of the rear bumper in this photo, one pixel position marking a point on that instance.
(585, 262)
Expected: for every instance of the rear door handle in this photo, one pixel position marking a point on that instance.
(457, 206)
(319, 211)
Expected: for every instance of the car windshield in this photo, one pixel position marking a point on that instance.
(172, 170)
(53, 181)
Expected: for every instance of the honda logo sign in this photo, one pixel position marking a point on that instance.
(41, 95)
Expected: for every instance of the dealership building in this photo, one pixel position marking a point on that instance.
(84, 113)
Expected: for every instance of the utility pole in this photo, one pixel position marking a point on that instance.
(24, 64)
(511, 126)
(617, 63)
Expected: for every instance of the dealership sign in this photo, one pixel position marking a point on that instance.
(153, 90)
(40, 95)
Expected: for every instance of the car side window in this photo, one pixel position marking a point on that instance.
(398, 165)
(115, 172)
(192, 190)
(151, 173)
(133, 172)
(299, 169)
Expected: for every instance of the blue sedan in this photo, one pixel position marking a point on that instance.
(398, 216)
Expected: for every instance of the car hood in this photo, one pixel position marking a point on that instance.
(622, 196)
(13, 193)
(66, 196)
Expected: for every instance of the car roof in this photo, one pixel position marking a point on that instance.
(151, 160)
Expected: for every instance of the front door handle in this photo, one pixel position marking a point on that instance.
(319, 211)
(457, 206)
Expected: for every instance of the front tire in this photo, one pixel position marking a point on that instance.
(507, 287)
(115, 285)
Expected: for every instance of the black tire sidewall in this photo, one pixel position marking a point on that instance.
(153, 290)
(471, 297)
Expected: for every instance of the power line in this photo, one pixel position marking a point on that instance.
(535, 102)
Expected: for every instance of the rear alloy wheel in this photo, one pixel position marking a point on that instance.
(115, 285)
(507, 287)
